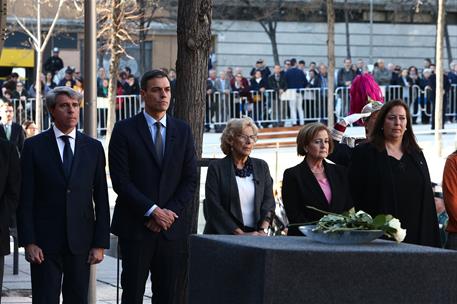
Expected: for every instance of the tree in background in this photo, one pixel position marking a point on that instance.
(36, 34)
(331, 60)
(194, 40)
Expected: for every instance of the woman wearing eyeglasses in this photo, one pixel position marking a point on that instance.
(239, 188)
(314, 182)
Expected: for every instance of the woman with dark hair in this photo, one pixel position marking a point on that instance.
(314, 182)
(389, 175)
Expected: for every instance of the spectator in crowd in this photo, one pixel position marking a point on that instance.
(361, 68)
(30, 128)
(264, 70)
(9, 130)
(258, 84)
(452, 75)
(381, 74)
(252, 195)
(433, 68)
(389, 175)
(396, 74)
(54, 63)
(240, 85)
(450, 199)
(101, 76)
(63, 214)
(211, 103)
(212, 59)
(314, 182)
(296, 80)
(222, 84)
(286, 65)
(68, 80)
(312, 67)
(229, 73)
(79, 85)
(131, 86)
(9, 197)
(223, 87)
(346, 74)
(302, 65)
(427, 63)
(322, 79)
(258, 87)
(154, 189)
(277, 81)
(446, 87)
(20, 96)
(49, 83)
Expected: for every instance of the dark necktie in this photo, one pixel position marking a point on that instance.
(67, 155)
(158, 142)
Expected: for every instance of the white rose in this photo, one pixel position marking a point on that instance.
(400, 233)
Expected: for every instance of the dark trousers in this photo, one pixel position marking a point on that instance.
(158, 256)
(2, 266)
(47, 279)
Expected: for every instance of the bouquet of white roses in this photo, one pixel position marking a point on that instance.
(360, 220)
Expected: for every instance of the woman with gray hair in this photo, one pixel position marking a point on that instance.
(239, 188)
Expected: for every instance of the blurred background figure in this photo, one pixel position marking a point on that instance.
(30, 128)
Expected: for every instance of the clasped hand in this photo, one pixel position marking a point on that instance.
(161, 219)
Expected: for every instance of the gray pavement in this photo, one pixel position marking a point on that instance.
(17, 288)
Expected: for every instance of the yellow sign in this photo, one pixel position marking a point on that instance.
(23, 58)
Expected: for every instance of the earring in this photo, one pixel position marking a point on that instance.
(406, 129)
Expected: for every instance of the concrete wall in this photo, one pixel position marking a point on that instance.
(241, 43)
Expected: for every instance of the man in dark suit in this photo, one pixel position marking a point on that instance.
(63, 215)
(9, 196)
(153, 169)
(10, 130)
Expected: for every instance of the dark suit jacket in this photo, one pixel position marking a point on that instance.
(140, 181)
(9, 190)
(222, 204)
(300, 189)
(373, 190)
(55, 213)
(17, 135)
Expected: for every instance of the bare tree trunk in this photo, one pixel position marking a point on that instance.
(39, 66)
(3, 16)
(346, 23)
(331, 61)
(142, 36)
(439, 76)
(194, 40)
(448, 43)
(270, 30)
(117, 8)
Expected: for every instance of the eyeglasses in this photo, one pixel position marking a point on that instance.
(247, 138)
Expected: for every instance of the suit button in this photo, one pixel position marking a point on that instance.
(68, 191)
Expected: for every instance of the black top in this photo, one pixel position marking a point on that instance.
(406, 176)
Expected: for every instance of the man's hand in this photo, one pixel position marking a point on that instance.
(152, 225)
(34, 254)
(95, 256)
(164, 217)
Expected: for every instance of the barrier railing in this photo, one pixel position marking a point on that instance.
(267, 108)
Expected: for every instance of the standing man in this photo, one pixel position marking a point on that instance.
(153, 169)
(9, 196)
(54, 63)
(63, 215)
(10, 130)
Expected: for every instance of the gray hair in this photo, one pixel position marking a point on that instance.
(234, 128)
(51, 97)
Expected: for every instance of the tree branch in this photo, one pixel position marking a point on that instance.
(51, 28)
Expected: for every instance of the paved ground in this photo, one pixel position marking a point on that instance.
(16, 288)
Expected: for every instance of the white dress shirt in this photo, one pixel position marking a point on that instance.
(151, 121)
(61, 143)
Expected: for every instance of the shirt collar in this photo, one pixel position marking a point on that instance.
(59, 133)
(151, 120)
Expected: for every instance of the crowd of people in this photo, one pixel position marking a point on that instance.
(63, 217)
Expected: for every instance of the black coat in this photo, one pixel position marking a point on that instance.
(9, 190)
(140, 181)
(222, 204)
(372, 187)
(54, 212)
(300, 189)
(17, 135)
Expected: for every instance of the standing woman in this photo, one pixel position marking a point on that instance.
(239, 188)
(314, 182)
(450, 199)
(389, 175)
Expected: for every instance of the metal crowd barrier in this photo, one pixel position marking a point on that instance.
(267, 108)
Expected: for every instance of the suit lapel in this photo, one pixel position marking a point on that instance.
(145, 134)
(257, 187)
(234, 200)
(314, 186)
(170, 139)
(54, 150)
(2, 131)
(80, 144)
